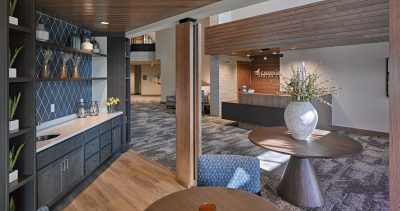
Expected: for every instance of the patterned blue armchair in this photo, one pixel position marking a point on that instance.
(231, 171)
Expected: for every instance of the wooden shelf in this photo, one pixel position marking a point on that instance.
(24, 29)
(68, 49)
(22, 180)
(20, 80)
(21, 131)
(73, 79)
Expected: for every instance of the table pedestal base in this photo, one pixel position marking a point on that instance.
(299, 184)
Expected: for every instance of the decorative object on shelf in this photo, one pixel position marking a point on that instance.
(45, 69)
(111, 103)
(42, 34)
(300, 115)
(63, 69)
(13, 124)
(12, 72)
(81, 110)
(75, 72)
(11, 19)
(96, 46)
(75, 41)
(93, 108)
(11, 204)
(86, 45)
(12, 160)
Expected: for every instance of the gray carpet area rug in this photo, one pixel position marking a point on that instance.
(358, 182)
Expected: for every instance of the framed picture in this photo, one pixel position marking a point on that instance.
(387, 77)
(144, 77)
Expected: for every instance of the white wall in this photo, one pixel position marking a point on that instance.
(267, 7)
(99, 69)
(132, 79)
(165, 52)
(223, 81)
(149, 86)
(360, 70)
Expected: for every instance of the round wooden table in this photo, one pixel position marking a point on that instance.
(299, 184)
(224, 199)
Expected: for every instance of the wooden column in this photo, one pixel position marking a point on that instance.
(188, 119)
(394, 105)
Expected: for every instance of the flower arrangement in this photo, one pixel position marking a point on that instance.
(303, 86)
(111, 103)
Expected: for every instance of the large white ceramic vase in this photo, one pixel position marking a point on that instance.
(301, 119)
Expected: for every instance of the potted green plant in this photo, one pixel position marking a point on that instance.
(12, 160)
(111, 103)
(13, 124)
(301, 118)
(12, 72)
(11, 204)
(12, 19)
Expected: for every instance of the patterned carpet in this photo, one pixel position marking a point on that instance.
(359, 182)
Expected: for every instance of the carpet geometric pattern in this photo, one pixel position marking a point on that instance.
(358, 182)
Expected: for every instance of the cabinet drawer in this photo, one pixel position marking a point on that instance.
(117, 121)
(92, 147)
(91, 134)
(105, 139)
(92, 163)
(105, 153)
(53, 153)
(104, 127)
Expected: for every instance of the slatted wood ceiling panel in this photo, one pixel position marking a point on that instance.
(322, 24)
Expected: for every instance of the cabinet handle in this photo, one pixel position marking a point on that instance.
(63, 165)
(67, 164)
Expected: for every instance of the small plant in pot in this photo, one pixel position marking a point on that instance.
(11, 18)
(12, 72)
(13, 124)
(111, 103)
(12, 160)
(301, 118)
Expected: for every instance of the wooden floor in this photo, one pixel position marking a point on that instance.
(131, 182)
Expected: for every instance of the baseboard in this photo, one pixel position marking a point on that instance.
(360, 131)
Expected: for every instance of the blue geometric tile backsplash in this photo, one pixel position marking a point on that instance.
(64, 94)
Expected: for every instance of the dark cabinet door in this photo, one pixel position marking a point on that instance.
(116, 138)
(74, 168)
(49, 181)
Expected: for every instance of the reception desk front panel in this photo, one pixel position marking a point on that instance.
(266, 110)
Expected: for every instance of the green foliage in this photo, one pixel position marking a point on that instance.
(307, 88)
(12, 106)
(11, 204)
(12, 158)
(12, 58)
(13, 3)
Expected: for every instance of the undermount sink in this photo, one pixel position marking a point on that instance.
(47, 137)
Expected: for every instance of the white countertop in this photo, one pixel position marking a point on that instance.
(71, 128)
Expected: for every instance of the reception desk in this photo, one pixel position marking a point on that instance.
(253, 111)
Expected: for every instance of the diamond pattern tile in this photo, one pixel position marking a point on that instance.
(64, 94)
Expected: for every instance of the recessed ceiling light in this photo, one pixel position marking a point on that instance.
(293, 48)
(104, 22)
(248, 55)
(265, 58)
(233, 53)
(274, 53)
(260, 51)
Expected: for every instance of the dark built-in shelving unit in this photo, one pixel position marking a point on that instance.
(12, 36)
(74, 79)
(67, 49)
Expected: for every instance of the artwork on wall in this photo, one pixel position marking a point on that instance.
(144, 77)
(387, 77)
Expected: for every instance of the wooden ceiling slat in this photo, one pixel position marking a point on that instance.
(321, 24)
(123, 15)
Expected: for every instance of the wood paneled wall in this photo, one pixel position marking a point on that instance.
(394, 105)
(322, 24)
(269, 85)
(188, 120)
